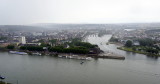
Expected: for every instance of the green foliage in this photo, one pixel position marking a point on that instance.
(60, 49)
(84, 44)
(128, 43)
(146, 42)
(44, 45)
(32, 48)
(77, 43)
(151, 50)
(56, 49)
(157, 47)
(141, 50)
(23, 48)
(10, 47)
(53, 41)
(76, 40)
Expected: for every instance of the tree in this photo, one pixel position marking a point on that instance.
(128, 43)
(146, 42)
(152, 50)
(10, 47)
(83, 44)
(32, 48)
(78, 50)
(23, 47)
(44, 45)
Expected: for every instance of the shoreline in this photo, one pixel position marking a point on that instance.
(111, 56)
(121, 47)
(139, 52)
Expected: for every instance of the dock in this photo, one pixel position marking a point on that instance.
(111, 56)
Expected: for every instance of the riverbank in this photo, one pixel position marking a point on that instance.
(69, 55)
(145, 50)
(136, 51)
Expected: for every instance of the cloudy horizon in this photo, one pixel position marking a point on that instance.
(15, 12)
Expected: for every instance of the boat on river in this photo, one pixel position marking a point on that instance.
(13, 52)
(16, 52)
(88, 58)
(22, 53)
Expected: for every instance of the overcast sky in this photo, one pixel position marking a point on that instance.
(78, 11)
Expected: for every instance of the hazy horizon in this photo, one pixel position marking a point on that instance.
(24, 12)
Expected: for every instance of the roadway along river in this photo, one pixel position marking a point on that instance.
(135, 69)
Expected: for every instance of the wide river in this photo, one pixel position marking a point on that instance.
(135, 69)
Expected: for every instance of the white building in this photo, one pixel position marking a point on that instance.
(22, 40)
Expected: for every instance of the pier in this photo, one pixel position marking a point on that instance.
(109, 56)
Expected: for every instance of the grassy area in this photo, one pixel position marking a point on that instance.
(130, 49)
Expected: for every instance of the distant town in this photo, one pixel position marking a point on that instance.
(68, 38)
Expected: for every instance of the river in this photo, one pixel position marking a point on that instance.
(135, 69)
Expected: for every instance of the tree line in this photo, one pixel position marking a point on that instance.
(75, 46)
(78, 50)
(146, 45)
